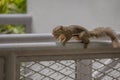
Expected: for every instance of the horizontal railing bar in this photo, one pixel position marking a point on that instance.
(15, 19)
(43, 37)
(51, 48)
(44, 44)
(47, 45)
(20, 38)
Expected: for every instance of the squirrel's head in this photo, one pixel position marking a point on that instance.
(57, 31)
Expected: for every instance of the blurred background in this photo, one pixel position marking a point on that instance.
(47, 14)
(88, 13)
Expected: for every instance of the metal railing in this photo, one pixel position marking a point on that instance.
(38, 57)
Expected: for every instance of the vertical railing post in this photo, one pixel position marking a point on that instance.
(1, 68)
(84, 70)
(10, 67)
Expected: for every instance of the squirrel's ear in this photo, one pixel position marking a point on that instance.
(61, 27)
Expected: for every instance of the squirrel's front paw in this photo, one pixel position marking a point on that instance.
(62, 39)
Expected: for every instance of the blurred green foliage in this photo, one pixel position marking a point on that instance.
(9, 29)
(12, 29)
(12, 7)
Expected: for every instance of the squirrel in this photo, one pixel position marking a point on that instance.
(65, 33)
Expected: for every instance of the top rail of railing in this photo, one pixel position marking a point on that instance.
(44, 44)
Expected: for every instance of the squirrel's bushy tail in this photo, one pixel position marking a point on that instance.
(101, 32)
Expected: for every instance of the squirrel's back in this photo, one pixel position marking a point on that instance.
(76, 29)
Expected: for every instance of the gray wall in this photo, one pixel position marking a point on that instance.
(89, 13)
